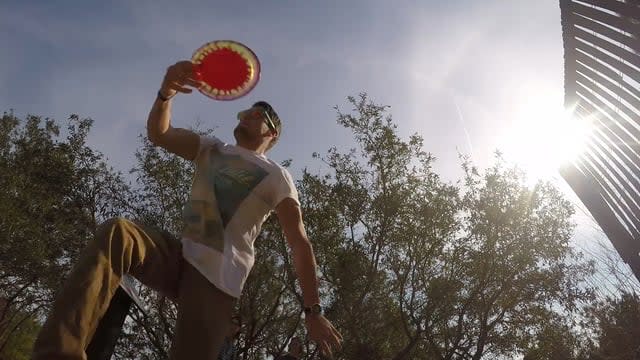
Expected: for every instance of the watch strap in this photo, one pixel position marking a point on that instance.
(313, 309)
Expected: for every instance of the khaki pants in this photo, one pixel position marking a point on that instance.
(121, 247)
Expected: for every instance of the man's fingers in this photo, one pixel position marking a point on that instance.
(335, 341)
(186, 66)
(180, 72)
(181, 68)
(326, 337)
(195, 83)
(333, 335)
(336, 333)
(329, 342)
(179, 88)
(183, 90)
(180, 84)
(325, 349)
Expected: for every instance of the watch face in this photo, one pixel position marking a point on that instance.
(313, 309)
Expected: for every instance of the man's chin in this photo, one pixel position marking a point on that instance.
(241, 133)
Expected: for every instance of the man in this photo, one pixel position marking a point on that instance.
(234, 190)
(295, 350)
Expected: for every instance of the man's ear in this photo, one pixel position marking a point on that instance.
(273, 133)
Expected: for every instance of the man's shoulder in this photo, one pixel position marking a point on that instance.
(210, 140)
(281, 172)
(272, 166)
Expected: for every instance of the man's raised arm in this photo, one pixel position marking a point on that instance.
(181, 142)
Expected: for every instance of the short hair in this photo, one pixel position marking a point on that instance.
(274, 117)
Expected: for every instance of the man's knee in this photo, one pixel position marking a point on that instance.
(112, 229)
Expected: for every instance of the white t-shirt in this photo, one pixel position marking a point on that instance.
(233, 192)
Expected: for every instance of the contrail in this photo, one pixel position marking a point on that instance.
(464, 128)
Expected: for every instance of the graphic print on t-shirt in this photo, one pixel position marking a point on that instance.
(221, 184)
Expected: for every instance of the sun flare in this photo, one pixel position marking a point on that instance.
(543, 136)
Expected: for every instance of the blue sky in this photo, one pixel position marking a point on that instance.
(469, 76)
(455, 72)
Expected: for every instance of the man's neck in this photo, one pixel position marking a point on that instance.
(259, 149)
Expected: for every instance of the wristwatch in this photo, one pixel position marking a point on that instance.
(164, 98)
(314, 309)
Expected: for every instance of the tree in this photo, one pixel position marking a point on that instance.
(618, 327)
(19, 333)
(556, 340)
(54, 191)
(418, 268)
(410, 266)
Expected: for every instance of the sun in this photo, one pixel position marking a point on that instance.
(543, 136)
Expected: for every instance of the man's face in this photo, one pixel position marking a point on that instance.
(252, 125)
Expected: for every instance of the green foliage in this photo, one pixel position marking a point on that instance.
(18, 338)
(419, 268)
(618, 324)
(556, 340)
(163, 184)
(410, 266)
(54, 191)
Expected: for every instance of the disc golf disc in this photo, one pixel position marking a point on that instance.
(228, 68)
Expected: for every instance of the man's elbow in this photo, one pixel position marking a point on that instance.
(300, 244)
(154, 137)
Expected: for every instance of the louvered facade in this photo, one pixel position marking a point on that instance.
(602, 80)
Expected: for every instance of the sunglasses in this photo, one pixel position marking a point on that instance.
(261, 113)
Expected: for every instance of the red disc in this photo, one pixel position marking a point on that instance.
(229, 69)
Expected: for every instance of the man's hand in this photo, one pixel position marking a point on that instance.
(323, 334)
(178, 77)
